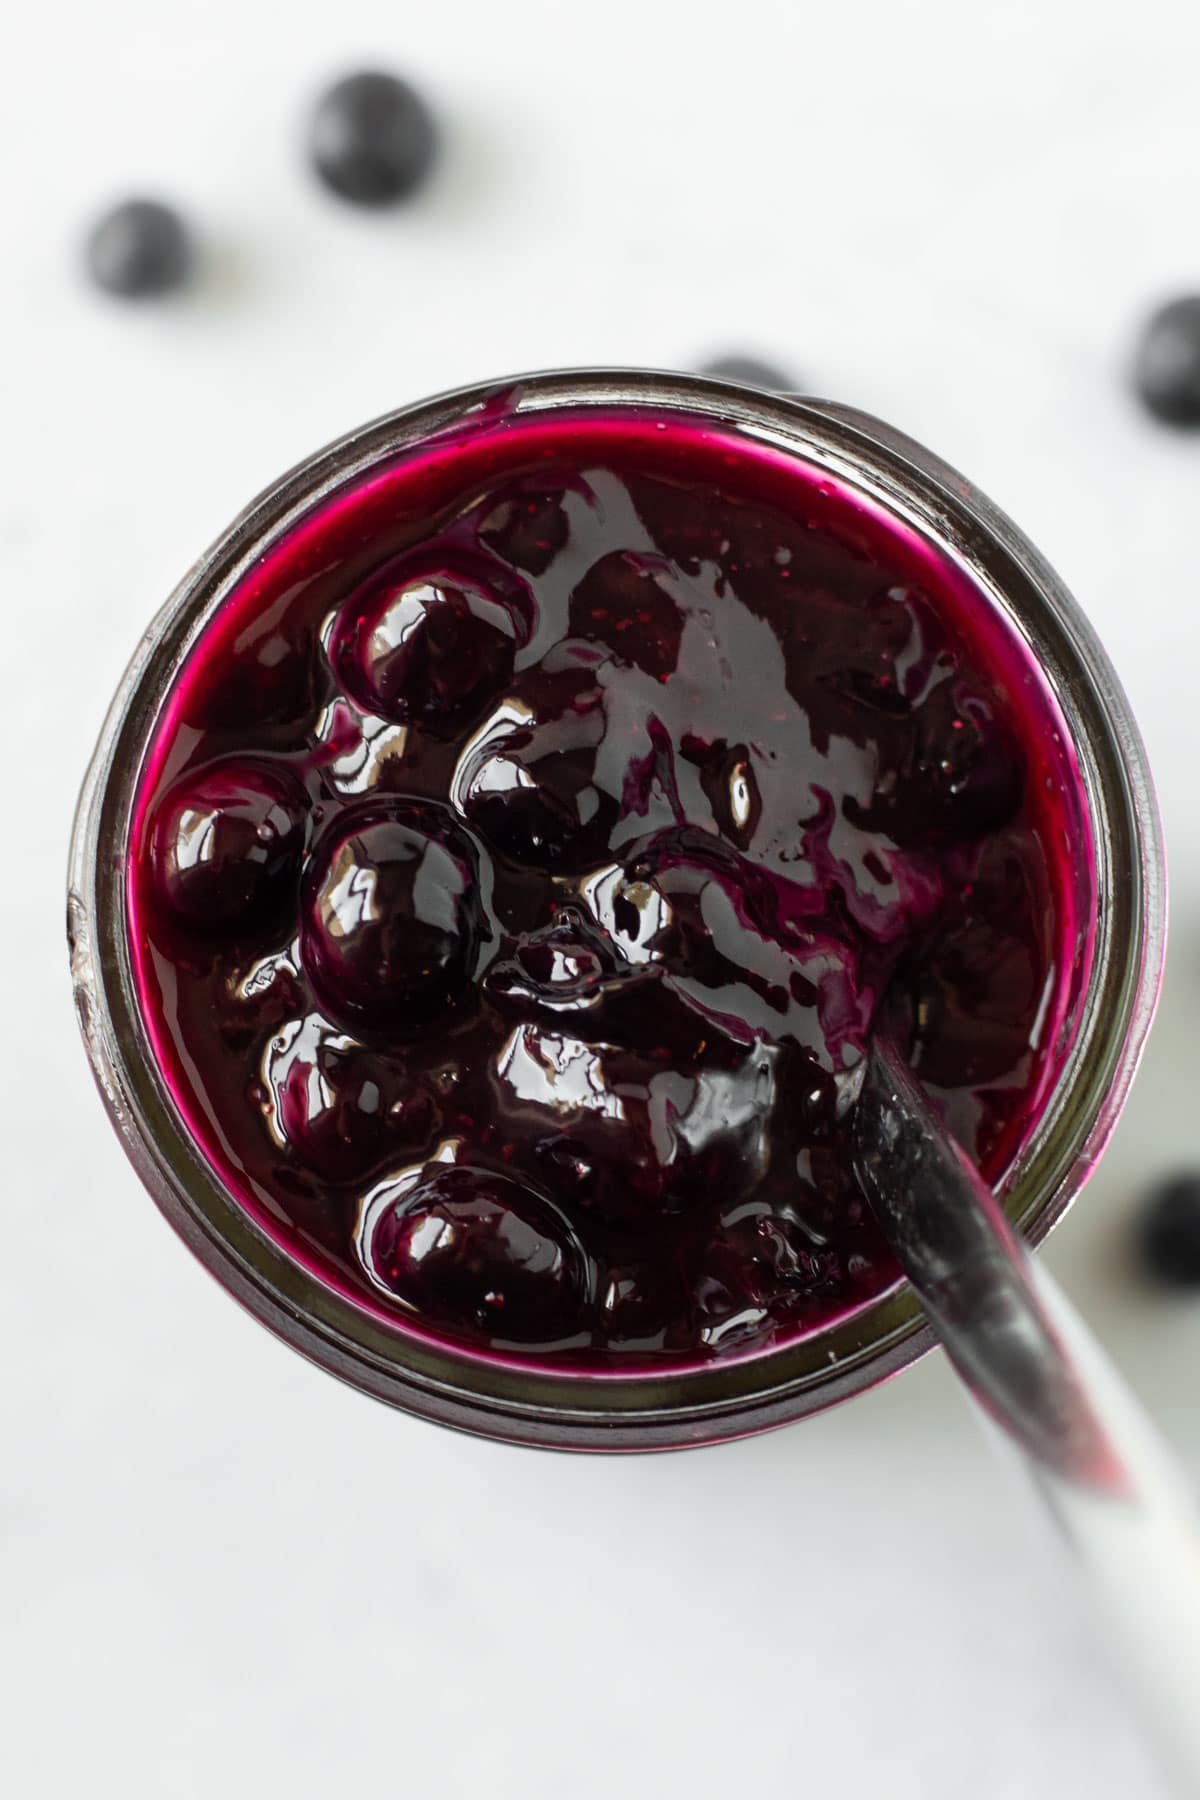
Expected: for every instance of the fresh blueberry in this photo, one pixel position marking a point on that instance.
(372, 139)
(1167, 367)
(750, 371)
(1169, 1232)
(139, 249)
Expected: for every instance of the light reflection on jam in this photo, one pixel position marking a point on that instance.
(526, 852)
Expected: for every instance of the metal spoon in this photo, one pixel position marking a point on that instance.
(1120, 1503)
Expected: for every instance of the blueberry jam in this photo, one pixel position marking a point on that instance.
(527, 848)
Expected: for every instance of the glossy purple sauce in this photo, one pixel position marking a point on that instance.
(527, 848)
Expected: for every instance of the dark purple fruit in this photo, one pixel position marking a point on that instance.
(527, 528)
(340, 1109)
(536, 798)
(427, 643)
(1169, 1232)
(478, 1252)
(139, 250)
(1167, 366)
(625, 602)
(227, 843)
(961, 777)
(391, 924)
(372, 139)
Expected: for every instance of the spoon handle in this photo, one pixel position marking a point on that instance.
(1109, 1483)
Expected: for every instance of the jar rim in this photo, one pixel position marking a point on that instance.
(707, 1402)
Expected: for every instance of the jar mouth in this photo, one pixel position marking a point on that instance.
(728, 1397)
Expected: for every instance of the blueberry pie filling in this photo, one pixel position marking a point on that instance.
(525, 852)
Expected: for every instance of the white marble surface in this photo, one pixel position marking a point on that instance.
(221, 1573)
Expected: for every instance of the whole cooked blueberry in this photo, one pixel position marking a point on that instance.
(227, 842)
(427, 642)
(750, 371)
(668, 906)
(338, 1106)
(974, 982)
(1167, 366)
(625, 604)
(372, 139)
(481, 1253)
(961, 777)
(640, 1304)
(139, 249)
(390, 924)
(1169, 1232)
(526, 526)
(727, 1309)
(535, 797)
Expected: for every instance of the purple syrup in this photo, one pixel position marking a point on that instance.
(524, 855)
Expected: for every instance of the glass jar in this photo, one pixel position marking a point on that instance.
(700, 1404)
